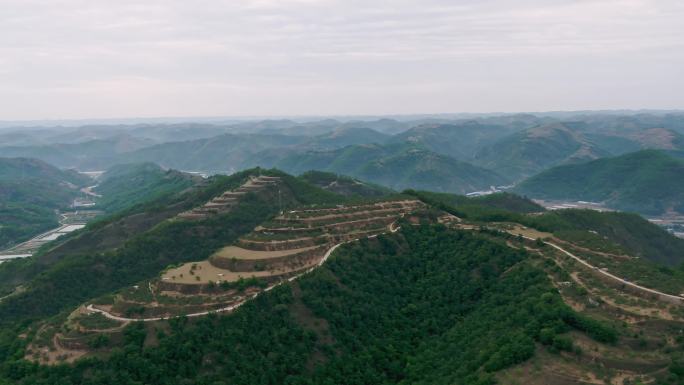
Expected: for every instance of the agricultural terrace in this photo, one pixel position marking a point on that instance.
(283, 248)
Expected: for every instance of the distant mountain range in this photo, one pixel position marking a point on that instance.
(398, 166)
(442, 154)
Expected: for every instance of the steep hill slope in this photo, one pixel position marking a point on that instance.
(30, 192)
(426, 170)
(648, 182)
(526, 153)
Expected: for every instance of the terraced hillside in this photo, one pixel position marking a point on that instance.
(469, 300)
(278, 251)
(223, 203)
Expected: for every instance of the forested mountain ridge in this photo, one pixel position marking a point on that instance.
(459, 140)
(397, 166)
(525, 153)
(649, 182)
(18, 169)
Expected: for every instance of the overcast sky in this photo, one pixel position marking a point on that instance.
(133, 58)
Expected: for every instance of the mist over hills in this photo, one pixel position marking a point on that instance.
(452, 154)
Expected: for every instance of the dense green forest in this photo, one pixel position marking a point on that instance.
(424, 306)
(649, 182)
(126, 185)
(525, 153)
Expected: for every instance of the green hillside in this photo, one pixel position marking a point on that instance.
(126, 185)
(228, 152)
(528, 152)
(30, 192)
(347, 136)
(649, 182)
(363, 318)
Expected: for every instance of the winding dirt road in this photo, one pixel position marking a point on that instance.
(612, 276)
(327, 254)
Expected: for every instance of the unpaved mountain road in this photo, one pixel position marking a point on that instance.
(230, 308)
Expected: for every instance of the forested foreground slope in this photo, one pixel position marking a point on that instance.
(423, 306)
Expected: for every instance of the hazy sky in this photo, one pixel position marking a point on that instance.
(135, 58)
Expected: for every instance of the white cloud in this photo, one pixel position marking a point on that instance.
(91, 58)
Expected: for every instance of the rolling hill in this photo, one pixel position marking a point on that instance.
(648, 182)
(528, 152)
(127, 185)
(346, 136)
(397, 166)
